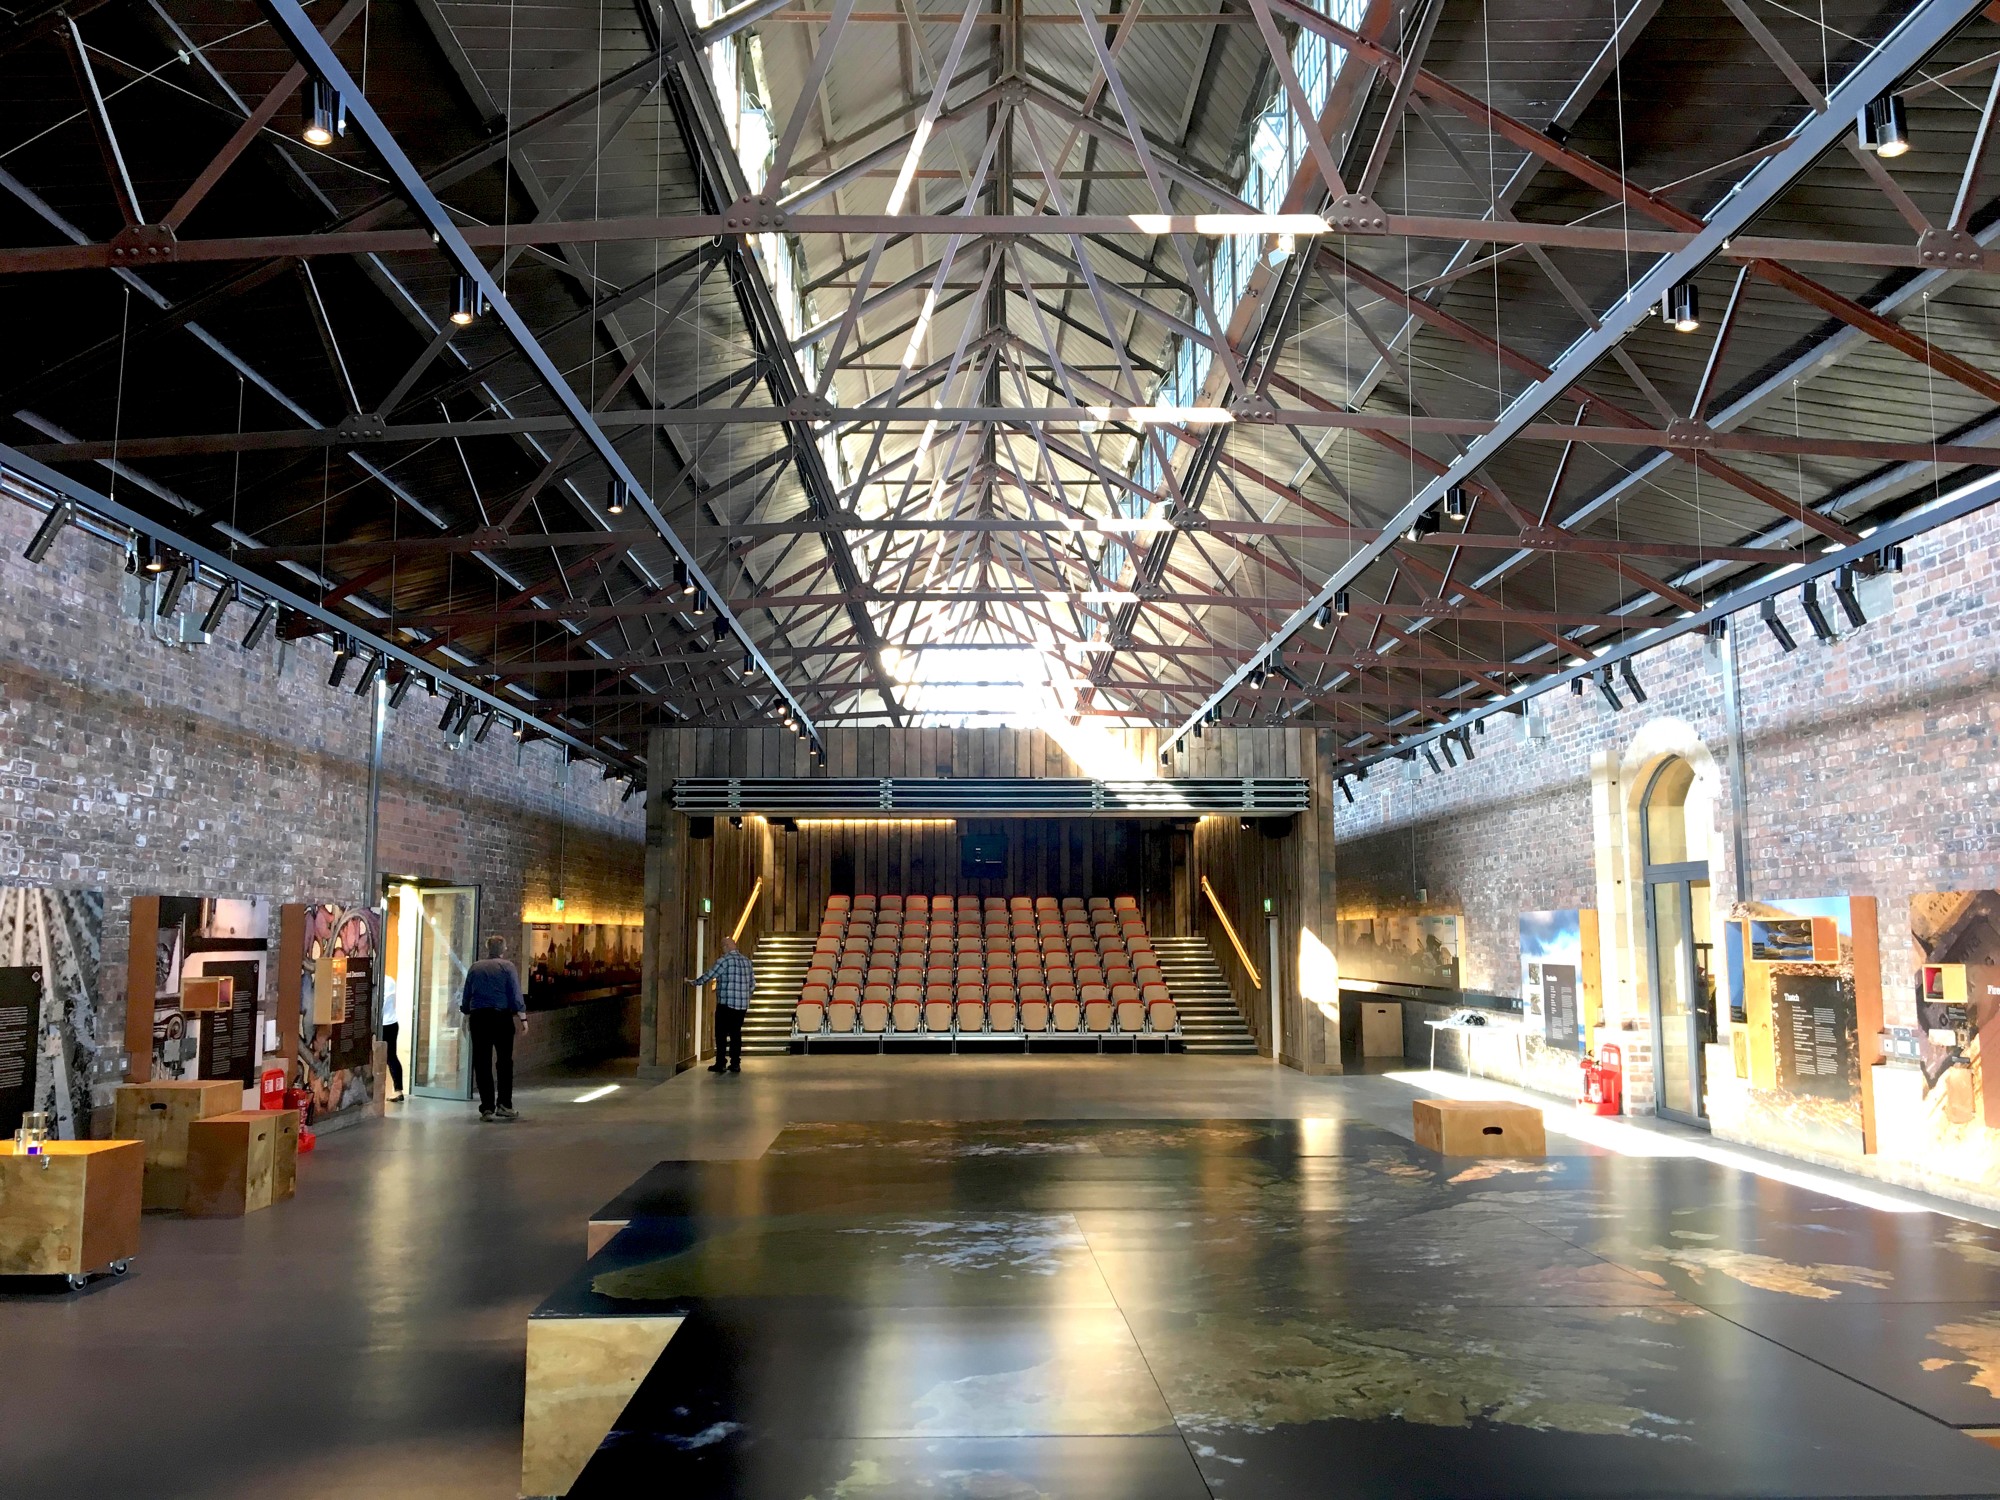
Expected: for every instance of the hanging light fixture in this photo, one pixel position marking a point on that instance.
(1681, 307)
(369, 673)
(1323, 617)
(258, 626)
(324, 116)
(1815, 611)
(179, 576)
(614, 500)
(51, 527)
(1786, 640)
(218, 608)
(343, 654)
(1257, 675)
(1631, 680)
(1610, 693)
(468, 301)
(683, 577)
(1457, 503)
(1343, 603)
(1883, 127)
(400, 680)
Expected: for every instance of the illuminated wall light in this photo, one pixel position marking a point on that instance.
(46, 533)
(323, 115)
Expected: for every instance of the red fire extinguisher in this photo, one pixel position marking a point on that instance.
(1604, 1082)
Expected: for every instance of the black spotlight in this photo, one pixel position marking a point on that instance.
(1631, 681)
(323, 117)
(683, 577)
(614, 499)
(179, 576)
(486, 722)
(225, 595)
(1343, 603)
(1576, 687)
(468, 300)
(720, 630)
(1444, 744)
(1882, 126)
(1850, 600)
(151, 558)
(1197, 728)
(1785, 639)
(1433, 760)
(1815, 611)
(400, 682)
(1323, 617)
(46, 533)
(259, 626)
(749, 668)
(450, 714)
(1346, 790)
(1424, 525)
(343, 653)
(699, 604)
(1681, 307)
(1465, 744)
(1609, 693)
(1257, 675)
(369, 672)
(1457, 503)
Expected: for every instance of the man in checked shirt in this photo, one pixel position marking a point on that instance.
(734, 980)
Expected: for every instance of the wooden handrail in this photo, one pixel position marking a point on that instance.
(749, 904)
(1256, 980)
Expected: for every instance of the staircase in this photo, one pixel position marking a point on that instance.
(1209, 1019)
(781, 960)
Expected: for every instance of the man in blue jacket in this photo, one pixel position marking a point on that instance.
(495, 1014)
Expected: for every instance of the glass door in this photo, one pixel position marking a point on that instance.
(444, 941)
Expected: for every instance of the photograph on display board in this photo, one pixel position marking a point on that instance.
(572, 961)
(51, 943)
(1559, 976)
(1401, 949)
(1939, 1110)
(337, 1004)
(1805, 978)
(210, 957)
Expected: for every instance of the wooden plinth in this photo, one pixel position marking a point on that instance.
(73, 1209)
(232, 1162)
(581, 1373)
(158, 1115)
(1479, 1127)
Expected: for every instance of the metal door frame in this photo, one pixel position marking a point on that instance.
(426, 888)
(1682, 875)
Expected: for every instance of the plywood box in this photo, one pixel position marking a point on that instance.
(208, 994)
(284, 1153)
(72, 1209)
(158, 1115)
(1382, 1028)
(1479, 1127)
(230, 1163)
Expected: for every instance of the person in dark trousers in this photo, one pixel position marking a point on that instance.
(734, 981)
(392, 1025)
(495, 1014)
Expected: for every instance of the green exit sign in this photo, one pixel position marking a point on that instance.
(1267, 906)
(707, 906)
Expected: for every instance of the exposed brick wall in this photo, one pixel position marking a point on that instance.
(1869, 769)
(132, 766)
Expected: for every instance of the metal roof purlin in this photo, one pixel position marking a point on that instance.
(1902, 50)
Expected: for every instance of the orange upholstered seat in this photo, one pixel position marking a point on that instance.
(937, 1007)
(875, 1007)
(972, 1008)
(1125, 1001)
(1000, 1006)
(905, 1013)
(1064, 1014)
(1096, 1006)
(1162, 1015)
(811, 1012)
(1034, 1007)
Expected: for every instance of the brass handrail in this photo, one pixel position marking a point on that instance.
(1256, 980)
(744, 920)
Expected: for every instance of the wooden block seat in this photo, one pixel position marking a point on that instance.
(1479, 1127)
(72, 1210)
(233, 1162)
(160, 1114)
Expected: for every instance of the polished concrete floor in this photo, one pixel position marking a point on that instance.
(1039, 1304)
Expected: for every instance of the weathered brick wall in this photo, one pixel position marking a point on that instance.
(1869, 769)
(132, 766)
